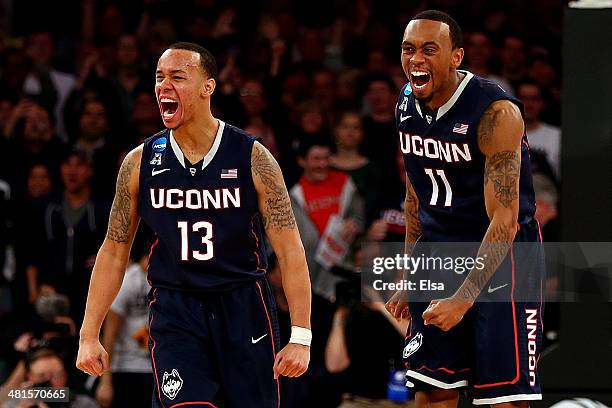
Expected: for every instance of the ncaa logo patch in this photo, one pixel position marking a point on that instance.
(160, 144)
(413, 345)
(171, 384)
(408, 89)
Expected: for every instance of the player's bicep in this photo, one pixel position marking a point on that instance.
(274, 202)
(499, 137)
(123, 219)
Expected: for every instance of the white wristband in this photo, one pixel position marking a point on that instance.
(301, 335)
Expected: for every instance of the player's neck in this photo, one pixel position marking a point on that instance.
(445, 94)
(198, 134)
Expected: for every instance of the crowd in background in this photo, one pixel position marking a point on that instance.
(316, 81)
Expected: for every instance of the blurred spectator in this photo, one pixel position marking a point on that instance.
(70, 233)
(15, 68)
(27, 210)
(547, 212)
(253, 100)
(95, 140)
(380, 142)
(39, 181)
(34, 141)
(542, 137)
(542, 71)
(390, 225)
(479, 54)
(145, 118)
(513, 58)
(128, 77)
(49, 327)
(364, 362)
(50, 85)
(125, 338)
(44, 368)
(327, 209)
(324, 88)
(347, 157)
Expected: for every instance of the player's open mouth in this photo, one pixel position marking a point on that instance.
(420, 79)
(168, 107)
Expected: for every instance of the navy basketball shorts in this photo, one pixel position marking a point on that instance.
(214, 349)
(493, 353)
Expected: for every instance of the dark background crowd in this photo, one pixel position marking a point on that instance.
(316, 81)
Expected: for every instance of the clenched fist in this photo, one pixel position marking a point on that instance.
(92, 358)
(398, 306)
(292, 360)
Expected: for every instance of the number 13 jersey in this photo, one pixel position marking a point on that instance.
(445, 165)
(205, 215)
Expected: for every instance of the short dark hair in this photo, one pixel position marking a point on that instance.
(79, 154)
(207, 61)
(386, 79)
(310, 141)
(456, 35)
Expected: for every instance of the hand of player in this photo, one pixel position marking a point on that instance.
(398, 306)
(292, 360)
(446, 313)
(92, 358)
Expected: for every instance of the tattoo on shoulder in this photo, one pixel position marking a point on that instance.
(277, 212)
(487, 124)
(503, 170)
(119, 222)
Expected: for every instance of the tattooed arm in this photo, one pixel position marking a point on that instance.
(499, 137)
(110, 265)
(281, 229)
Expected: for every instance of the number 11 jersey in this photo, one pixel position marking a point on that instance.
(445, 165)
(205, 215)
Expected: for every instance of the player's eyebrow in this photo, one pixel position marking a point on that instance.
(425, 44)
(172, 71)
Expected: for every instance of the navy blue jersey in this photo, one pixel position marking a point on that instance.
(205, 215)
(445, 165)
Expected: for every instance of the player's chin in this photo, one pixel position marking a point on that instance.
(425, 93)
(172, 121)
(421, 89)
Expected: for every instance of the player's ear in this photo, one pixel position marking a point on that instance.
(208, 87)
(457, 57)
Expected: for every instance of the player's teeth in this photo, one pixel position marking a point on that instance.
(419, 73)
(167, 100)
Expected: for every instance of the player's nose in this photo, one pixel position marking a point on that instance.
(164, 84)
(417, 58)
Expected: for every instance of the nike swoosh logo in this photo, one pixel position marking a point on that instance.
(491, 290)
(403, 118)
(257, 340)
(156, 172)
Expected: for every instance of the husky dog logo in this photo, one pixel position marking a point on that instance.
(171, 384)
(156, 160)
(413, 345)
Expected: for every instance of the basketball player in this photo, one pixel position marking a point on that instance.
(469, 180)
(209, 191)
